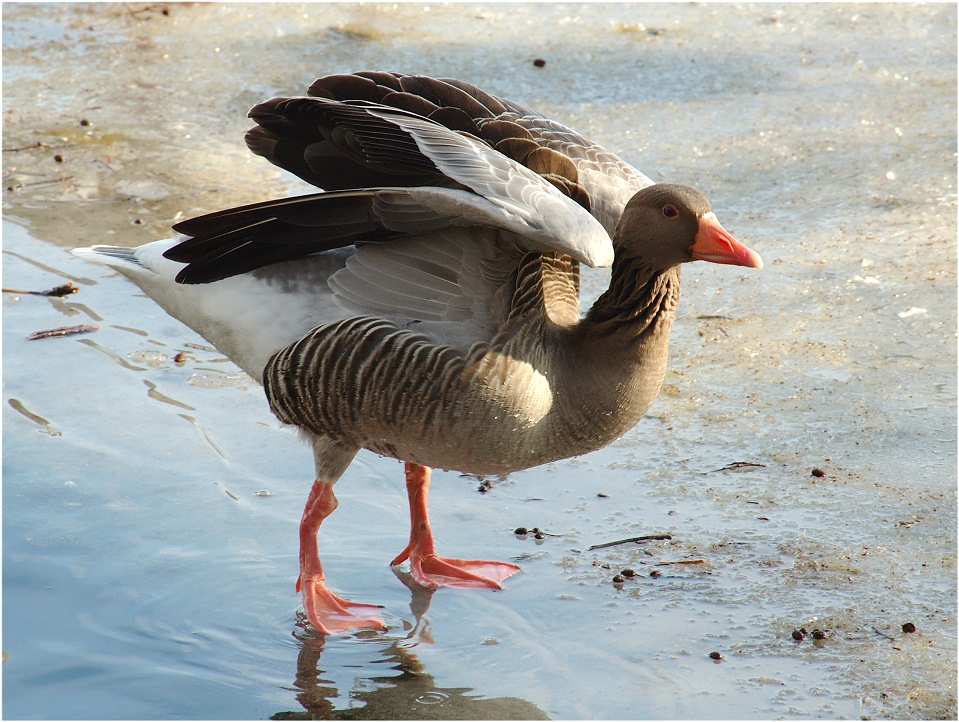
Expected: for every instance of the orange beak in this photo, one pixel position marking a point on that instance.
(715, 244)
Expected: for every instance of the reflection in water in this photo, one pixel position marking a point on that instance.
(420, 598)
(411, 694)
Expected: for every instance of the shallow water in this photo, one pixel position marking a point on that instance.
(147, 575)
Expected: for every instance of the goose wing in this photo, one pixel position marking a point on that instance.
(595, 177)
(399, 180)
(581, 168)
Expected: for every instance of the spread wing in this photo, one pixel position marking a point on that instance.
(441, 188)
(593, 176)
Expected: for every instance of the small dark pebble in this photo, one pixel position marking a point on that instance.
(179, 358)
(84, 122)
(909, 627)
(58, 158)
(818, 634)
(618, 579)
(539, 62)
(601, 495)
(655, 573)
(535, 530)
(803, 630)
(818, 473)
(715, 655)
(798, 636)
(165, 11)
(137, 221)
(628, 573)
(520, 530)
(539, 535)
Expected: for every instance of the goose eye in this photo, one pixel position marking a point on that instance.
(670, 211)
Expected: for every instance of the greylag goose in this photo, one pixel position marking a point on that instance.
(426, 305)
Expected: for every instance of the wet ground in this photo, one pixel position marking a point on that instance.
(802, 455)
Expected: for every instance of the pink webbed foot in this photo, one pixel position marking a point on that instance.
(328, 613)
(432, 570)
(331, 614)
(426, 566)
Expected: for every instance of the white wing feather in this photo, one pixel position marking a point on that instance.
(454, 284)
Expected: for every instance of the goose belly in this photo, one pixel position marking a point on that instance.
(486, 436)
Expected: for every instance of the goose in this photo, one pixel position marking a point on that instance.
(425, 304)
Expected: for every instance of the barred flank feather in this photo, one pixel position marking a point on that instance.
(359, 374)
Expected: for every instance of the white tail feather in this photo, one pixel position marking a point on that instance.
(248, 317)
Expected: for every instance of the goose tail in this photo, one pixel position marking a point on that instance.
(248, 317)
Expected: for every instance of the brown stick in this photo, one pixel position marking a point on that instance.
(62, 331)
(64, 290)
(681, 561)
(648, 537)
(736, 465)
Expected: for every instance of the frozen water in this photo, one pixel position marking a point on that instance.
(147, 575)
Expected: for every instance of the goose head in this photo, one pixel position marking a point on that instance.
(666, 224)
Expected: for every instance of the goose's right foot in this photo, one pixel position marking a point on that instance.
(328, 613)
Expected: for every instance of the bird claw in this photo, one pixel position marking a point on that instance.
(331, 614)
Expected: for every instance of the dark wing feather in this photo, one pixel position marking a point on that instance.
(517, 148)
(338, 146)
(493, 104)
(602, 182)
(338, 87)
(455, 119)
(493, 131)
(234, 241)
(445, 95)
(410, 102)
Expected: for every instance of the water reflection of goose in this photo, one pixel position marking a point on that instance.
(427, 306)
(403, 689)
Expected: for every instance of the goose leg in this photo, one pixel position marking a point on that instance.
(426, 566)
(328, 613)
